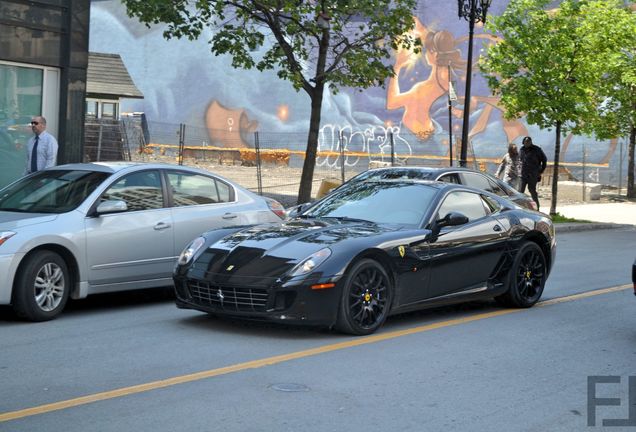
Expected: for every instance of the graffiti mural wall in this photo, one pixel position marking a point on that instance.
(183, 82)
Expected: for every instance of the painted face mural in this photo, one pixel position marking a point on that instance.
(228, 127)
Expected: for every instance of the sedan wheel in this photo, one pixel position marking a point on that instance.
(527, 277)
(42, 287)
(366, 298)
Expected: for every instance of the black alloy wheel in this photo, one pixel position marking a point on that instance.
(527, 277)
(366, 298)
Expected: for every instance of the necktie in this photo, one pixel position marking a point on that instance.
(34, 155)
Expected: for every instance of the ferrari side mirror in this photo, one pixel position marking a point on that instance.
(452, 219)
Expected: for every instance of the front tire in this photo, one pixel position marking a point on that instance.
(366, 298)
(42, 287)
(526, 279)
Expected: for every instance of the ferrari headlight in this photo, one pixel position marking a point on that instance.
(5, 235)
(310, 263)
(190, 251)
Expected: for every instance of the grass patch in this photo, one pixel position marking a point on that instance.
(559, 218)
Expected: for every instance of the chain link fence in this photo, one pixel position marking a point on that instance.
(270, 163)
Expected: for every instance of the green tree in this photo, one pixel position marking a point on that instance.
(314, 44)
(542, 69)
(610, 30)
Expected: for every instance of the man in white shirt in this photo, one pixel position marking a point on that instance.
(42, 148)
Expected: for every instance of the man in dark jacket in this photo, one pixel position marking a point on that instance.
(533, 163)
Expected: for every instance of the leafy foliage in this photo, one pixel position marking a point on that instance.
(550, 64)
(612, 32)
(312, 44)
(539, 69)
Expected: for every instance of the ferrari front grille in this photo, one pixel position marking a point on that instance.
(228, 298)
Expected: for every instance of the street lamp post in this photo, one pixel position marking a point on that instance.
(473, 11)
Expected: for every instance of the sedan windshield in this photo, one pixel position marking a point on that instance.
(379, 202)
(50, 191)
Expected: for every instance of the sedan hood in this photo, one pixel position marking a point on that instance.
(260, 254)
(16, 220)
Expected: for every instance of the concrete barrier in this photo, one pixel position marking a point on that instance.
(326, 186)
(379, 164)
(574, 191)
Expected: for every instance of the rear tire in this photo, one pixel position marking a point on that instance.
(42, 287)
(366, 298)
(526, 279)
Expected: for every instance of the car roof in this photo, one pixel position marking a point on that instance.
(113, 167)
(426, 169)
(122, 166)
(409, 181)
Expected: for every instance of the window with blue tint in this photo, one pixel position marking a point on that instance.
(467, 203)
(20, 99)
(192, 189)
(50, 191)
(140, 191)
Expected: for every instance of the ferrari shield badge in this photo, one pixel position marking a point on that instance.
(402, 251)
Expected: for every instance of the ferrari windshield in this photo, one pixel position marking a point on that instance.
(379, 202)
(50, 191)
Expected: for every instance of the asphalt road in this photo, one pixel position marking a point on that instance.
(133, 362)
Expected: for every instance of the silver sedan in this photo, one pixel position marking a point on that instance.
(81, 229)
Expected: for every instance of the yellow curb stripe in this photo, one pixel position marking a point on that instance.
(141, 388)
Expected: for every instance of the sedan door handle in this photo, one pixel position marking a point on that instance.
(161, 226)
(496, 228)
(229, 216)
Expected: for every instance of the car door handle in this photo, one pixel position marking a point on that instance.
(496, 228)
(229, 216)
(161, 226)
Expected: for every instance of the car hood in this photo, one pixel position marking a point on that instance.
(263, 253)
(15, 220)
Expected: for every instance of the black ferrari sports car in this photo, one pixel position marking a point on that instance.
(370, 250)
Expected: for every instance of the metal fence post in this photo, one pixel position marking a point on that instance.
(123, 128)
(392, 148)
(583, 159)
(181, 142)
(99, 142)
(259, 176)
(620, 167)
(342, 157)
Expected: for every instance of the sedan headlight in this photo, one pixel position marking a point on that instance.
(310, 263)
(190, 251)
(5, 235)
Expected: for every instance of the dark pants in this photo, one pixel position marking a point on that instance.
(532, 187)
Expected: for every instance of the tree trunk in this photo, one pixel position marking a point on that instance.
(316, 94)
(555, 173)
(631, 190)
(307, 176)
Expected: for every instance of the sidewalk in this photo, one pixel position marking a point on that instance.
(602, 214)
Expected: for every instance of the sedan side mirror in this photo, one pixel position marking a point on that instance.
(111, 206)
(452, 219)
